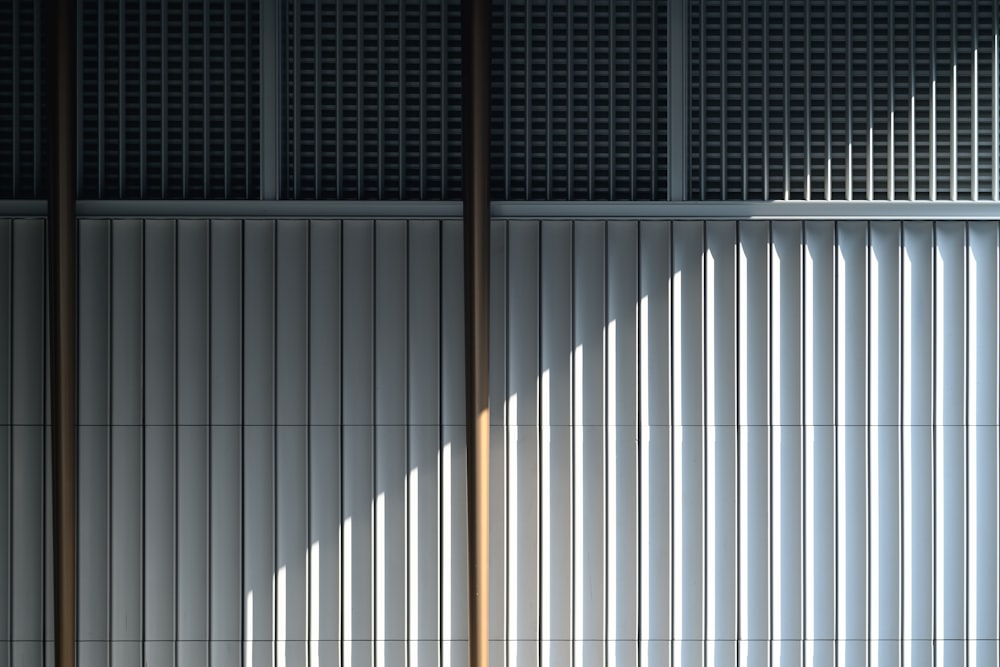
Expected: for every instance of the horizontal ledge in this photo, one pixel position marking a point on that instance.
(529, 424)
(754, 210)
(267, 209)
(232, 208)
(668, 210)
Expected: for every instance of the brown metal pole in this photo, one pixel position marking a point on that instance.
(476, 213)
(61, 21)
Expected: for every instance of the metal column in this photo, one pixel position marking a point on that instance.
(476, 213)
(61, 16)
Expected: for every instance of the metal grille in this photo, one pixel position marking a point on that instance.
(844, 100)
(374, 100)
(23, 171)
(579, 100)
(169, 94)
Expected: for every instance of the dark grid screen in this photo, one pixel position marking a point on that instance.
(169, 99)
(788, 99)
(579, 106)
(374, 100)
(838, 100)
(22, 101)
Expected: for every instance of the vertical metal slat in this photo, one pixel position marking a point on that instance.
(954, 112)
(677, 113)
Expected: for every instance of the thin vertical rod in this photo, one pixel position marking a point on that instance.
(476, 213)
(678, 110)
(143, 100)
(828, 188)
(163, 181)
(101, 88)
(870, 153)
(891, 179)
(227, 94)
(932, 167)
(743, 91)
(787, 96)
(996, 104)
(807, 185)
(912, 137)
(205, 152)
(61, 91)
(186, 89)
(15, 136)
(974, 139)
(37, 176)
(849, 175)
(270, 38)
(528, 92)
(953, 120)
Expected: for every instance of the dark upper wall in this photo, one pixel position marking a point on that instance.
(788, 99)
(834, 99)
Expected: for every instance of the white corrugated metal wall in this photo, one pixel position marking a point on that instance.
(739, 441)
(272, 465)
(712, 439)
(271, 452)
(284, 401)
(754, 442)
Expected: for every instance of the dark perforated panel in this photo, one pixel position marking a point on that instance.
(579, 100)
(843, 100)
(169, 92)
(374, 100)
(22, 95)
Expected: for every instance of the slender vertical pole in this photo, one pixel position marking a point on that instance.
(270, 129)
(678, 111)
(476, 213)
(61, 21)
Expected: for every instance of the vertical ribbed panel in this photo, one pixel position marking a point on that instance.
(831, 100)
(22, 101)
(374, 100)
(25, 468)
(768, 442)
(169, 99)
(272, 455)
(713, 441)
(580, 99)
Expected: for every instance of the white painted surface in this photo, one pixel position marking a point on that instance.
(739, 435)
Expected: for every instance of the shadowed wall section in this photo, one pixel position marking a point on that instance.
(272, 445)
(26, 600)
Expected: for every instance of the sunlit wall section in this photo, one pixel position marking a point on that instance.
(766, 442)
(272, 457)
